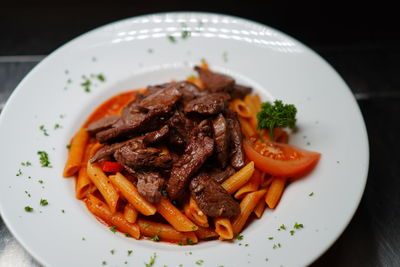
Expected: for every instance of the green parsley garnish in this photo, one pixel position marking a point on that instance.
(28, 209)
(291, 232)
(277, 115)
(199, 262)
(104, 262)
(239, 237)
(152, 260)
(63, 211)
(43, 129)
(298, 226)
(86, 84)
(189, 241)
(101, 77)
(270, 238)
(155, 238)
(40, 181)
(83, 239)
(19, 173)
(68, 146)
(57, 126)
(44, 159)
(26, 164)
(130, 252)
(185, 34)
(44, 202)
(171, 38)
(180, 243)
(283, 227)
(112, 251)
(27, 193)
(113, 229)
(311, 194)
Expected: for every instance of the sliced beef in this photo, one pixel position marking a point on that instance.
(139, 142)
(180, 129)
(149, 185)
(237, 153)
(240, 91)
(199, 148)
(147, 115)
(221, 138)
(151, 89)
(189, 91)
(210, 104)
(102, 124)
(211, 198)
(215, 82)
(220, 175)
(148, 158)
(156, 136)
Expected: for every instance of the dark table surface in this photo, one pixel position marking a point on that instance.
(368, 62)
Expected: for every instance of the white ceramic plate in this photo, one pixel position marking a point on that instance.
(136, 52)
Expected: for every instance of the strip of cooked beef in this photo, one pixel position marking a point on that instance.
(209, 104)
(214, 81)
(211, 198)
(221, 138)
(148, 158)
(199, 148)
(147, 115)
(237, 153)
(220, 175)
(180, 129)
(139, 142)
(102, 124)
(189, 91)
(240, 91)
(150, 185)
(151, 89)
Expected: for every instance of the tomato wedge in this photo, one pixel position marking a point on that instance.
(279, 159)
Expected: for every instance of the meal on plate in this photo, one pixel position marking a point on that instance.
(185, 161)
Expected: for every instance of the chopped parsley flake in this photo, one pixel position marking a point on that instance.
(40, 182)
(189, 241)
(101, 77)
(19, 173)
(291, 232)
(275, 246)
(298, 226)
(194, 228)
(68, 146)
(199, 262)
(246, 245)
(63, 211)
(180, 243)
(26, 192)
(171, 38)
(239, 237)
(83, 239)
(185, 34)
(44, 159)
(270, 238)
(311, 194)
(104, 262)
(152, 260)
(86, 84)
(28, 209)
(26, 164)
(112, 251)
(283, 227)
(57, 126)
(113, 229)
(130, 252)
(155, 238)
(43, 129)
(125, 262)
(44, 202)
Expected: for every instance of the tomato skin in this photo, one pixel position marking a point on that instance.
(284, 168)
(111, 166)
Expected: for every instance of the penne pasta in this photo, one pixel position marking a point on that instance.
(275, 192)
(259, 209)
(76, 152)
(223, 228)
(248, 100)
(206, 233)
(240, 108)
(102, 182)
(193, 212)
(83, 185)
(247, 205)
(130, 213)
(246, 127)
(166, 232)
(101, 210)
(257, 102)
(251, 186)
(267, 179)
(176, 218)
(238, 179)
(196, 81)
(130, 193)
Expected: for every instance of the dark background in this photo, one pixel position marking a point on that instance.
(360, 39)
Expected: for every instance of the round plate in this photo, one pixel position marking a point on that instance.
(54, 99)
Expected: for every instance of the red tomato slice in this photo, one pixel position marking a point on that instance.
(279, 159)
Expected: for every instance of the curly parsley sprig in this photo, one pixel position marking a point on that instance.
(276, 115)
